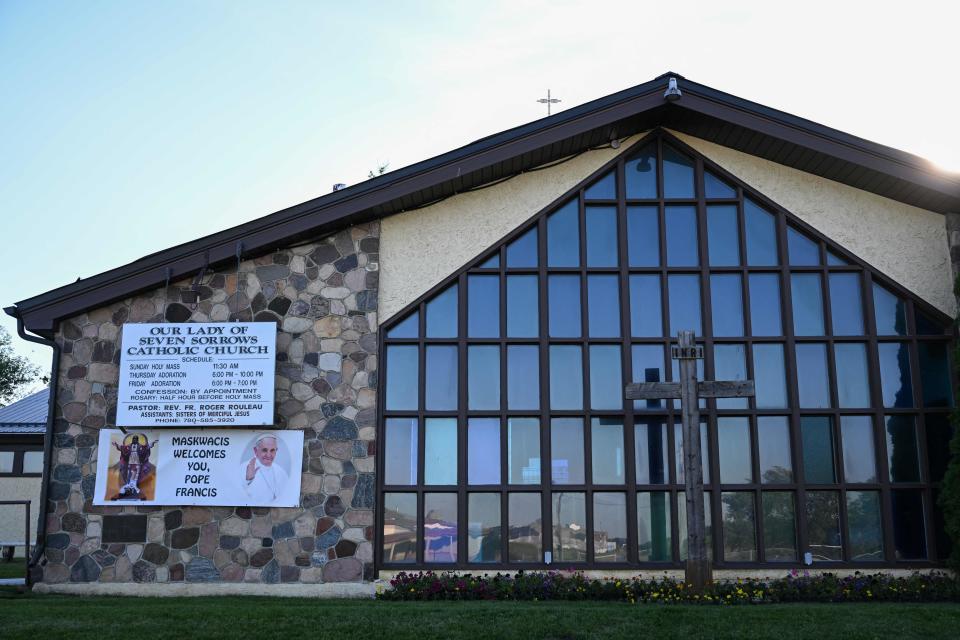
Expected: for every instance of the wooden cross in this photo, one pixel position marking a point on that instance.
(688, 390)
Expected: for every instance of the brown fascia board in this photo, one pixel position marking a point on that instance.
(352, 205)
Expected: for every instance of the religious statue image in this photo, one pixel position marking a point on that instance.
(262, 478)
(132, 477)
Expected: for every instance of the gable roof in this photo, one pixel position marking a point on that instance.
(27, 415)
(702, 111)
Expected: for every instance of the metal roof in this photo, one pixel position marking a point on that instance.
(27, 415)
(702, 111)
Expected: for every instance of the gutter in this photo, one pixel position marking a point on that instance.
(41, 543)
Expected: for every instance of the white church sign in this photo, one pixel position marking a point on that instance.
(233, 467)
(197, 374)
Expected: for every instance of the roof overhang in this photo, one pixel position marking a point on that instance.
(701, 111)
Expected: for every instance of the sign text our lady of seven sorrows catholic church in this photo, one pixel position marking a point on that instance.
(197, 374)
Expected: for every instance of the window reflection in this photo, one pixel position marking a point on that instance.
(890, 312)
(859, 458)
(483, 451)
(895, 382)
(726, 299)
(566, 447)
(566, 377)
(807, 304)
(483, 530)
(403, 377)
(813, 380)
(641, 174)
(863, 521)
(677, 174)
(773, 435)
(648, 367)
(909, 533)
(935, 374)
(400, 527)
(440, 527)
(441, 383)
(643, 236)
(645, 309)
(606, 377)
(569, 527)
(604, 188)
(765, 304)
(903, 459)
(653, 526)
(523, 450)
(802, 250)
(818, 449)
(684, 303)
(523, 310)
(564, 302)
(779, 526)
(523, 376)
(400, 459)
(563, 236)
(483, 306)
(853, 379)
(769, 376)
(606, 443)
(733, 436)
(609, 527)
(601, 236)
(522, 252)
(440, 438)
(739, 528)
(824, 539)
(761, 235)
(603, 306)
(681, 236)
(650, 444)
(525, 538)
(846, 306)
(483, 377)
(442, 314)
(723, 235)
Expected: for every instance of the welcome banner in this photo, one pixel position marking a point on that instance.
(255, 468)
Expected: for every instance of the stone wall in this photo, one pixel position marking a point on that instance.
(323, 297)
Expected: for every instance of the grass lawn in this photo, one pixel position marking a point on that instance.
(103, 618)
(12, 569)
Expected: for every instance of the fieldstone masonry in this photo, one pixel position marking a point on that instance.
(323, 298)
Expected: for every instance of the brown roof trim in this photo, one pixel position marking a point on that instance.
(616, 115)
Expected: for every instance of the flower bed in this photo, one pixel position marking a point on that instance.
(795, 587)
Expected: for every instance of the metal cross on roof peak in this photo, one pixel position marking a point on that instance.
(548, 101)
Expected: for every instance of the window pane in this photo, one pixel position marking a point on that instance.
(926, 326)
(569, 527)
(6, 461)
(942, 540)
(802, 250)
(522, 252)
(483, 306)
(761, 235)
(440, 527)
(682, 236)
(493, 262)
(903, 459)
(564, 303)
(863, 520)
(643, 236)
(409, 327)
(895, 383)
(908, 528)
(653, 526)
(648, 367)
(603, 306)
(441, 387)
(679, 462)
(442, 314)
(890, 312)
(730, 363)
(563, 236)
(400, 462)
(523, 450)
(807, 304)
(939, 432)
(646, 316)
(400, 527)
(605, 188)
(403, 377)
(682, 524)
(823, 526)
(566, 377)
(33, 462)
(525, 539)
(650, 444)
(779, 526)
(765, 304)
(935, 374)
(483, 516)
(483, 377)
(601, 236)
(773, 433)
(566, 447)
(684, 303)
(440, 451)
(846, 306)
(523, 307)
(609, 527)
(607, 447)
(769, 376)
(859, 457)
(483, 451)
(813, 380)
(723, 235)
(817, 436)
(677, 174)
(726, 295)
(641, 174)
(523, 377)
(733, 437)
(739, 526)
(853, 380)
(717, 188)
(606, 377)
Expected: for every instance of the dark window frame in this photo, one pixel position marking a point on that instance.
(668, 412)
(18, 453)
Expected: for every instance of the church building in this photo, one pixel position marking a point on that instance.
(453, 341)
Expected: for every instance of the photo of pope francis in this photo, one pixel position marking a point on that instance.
(263, 481)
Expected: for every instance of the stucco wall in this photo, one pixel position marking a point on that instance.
(11, 516)
(323, 298)
(905, 243)
(420, 248)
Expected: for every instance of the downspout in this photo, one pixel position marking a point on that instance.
(41, 543)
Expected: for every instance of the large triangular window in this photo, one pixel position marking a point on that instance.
(506, 439)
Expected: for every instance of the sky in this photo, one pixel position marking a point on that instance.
(127, 127)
